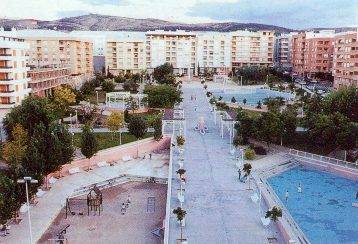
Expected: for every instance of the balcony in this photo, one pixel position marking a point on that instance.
(5, 55)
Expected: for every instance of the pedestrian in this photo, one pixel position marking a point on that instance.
(239, 174)
(129, 199)
(150, 156)
(123, 209)
(286, 195)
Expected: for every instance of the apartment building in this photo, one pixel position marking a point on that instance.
(283, 46)
(44, 80)
(60, 51)
(125, 56)
(13, 78)
(345, 59)
(312, 52)
(252, 48)
(213, 52)
(175, 47)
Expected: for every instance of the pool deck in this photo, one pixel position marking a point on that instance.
(218, 206)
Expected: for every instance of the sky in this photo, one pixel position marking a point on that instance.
(296, 14)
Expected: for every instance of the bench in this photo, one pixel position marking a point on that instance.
(126, 158)
(102, 164)
(74, 170)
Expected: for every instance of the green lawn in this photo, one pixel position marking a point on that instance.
(105, 139)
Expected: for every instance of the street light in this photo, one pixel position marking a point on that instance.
(97, 96)
(71, 119)
(26, 180)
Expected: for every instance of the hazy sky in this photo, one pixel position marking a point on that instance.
(287, 13)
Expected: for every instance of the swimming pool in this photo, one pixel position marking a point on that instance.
(324, 209)
(252, 95)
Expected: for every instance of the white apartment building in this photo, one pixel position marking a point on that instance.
(283, 47)
(124, 56)
(175, 47)
(213, 51)
(13, 72)
(252, 48)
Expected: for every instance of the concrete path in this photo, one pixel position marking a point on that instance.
(219, 209)
(54, 200)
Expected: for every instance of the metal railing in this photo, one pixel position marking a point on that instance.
(322, 159)
(123, 178)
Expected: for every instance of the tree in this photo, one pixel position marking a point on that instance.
(274, 104)
(10, 200)
(180, 213)
(244, 101)
(108, 86)
(14, 151)
(250, 154)
(162, 96)
(137, 127)
(89, 144)
(245, 126)
(259, 105)
(163, 74)
(247, 169)
(63, 97)
(233, 100)
(157, 124)
(274, 213)
(131, 104)
(180, 140)
(131, 85)
(32, 111)
(114, 122)
(119, 79)
(289, 120)
(270, 127)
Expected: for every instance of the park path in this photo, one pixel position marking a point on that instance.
(219, 209)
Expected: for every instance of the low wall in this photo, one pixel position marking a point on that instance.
(115, 154)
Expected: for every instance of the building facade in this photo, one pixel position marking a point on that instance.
(125, 56)
(213, 52)
(312, 53)
(57, 52)
(44, 80)
(175, 47)
(252, 48)
(13, 72)
(283, 48)
(345, 60)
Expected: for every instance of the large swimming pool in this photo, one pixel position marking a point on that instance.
(324, 208)
(251, 95)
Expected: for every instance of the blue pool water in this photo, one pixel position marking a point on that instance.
(324, 209)
(252, 95)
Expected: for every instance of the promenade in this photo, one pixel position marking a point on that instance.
(218, 206)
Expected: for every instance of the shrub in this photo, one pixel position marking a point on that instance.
(180, 140)
(259, 150)
(108, 86)
(249, 154)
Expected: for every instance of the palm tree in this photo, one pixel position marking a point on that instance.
(259, 105)
(274, 213)
(180, 140)
(181, 172)
(247, 169)
(233, 100)
(244, 101)
(180, 213)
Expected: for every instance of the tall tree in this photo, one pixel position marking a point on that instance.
(157, 124)
(162, 96)
(114, 122)
(137, 127)
(131, 103)
(163, 74)
(271, 127)
(89, 144)
(289, 120)
(63, 97)
(14, 151)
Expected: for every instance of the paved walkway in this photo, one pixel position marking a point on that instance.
(219, 209)
(54, 200)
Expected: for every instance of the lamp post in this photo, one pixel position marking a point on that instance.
(97, 96)
(71, 120)
(26, 180)
(76, 117)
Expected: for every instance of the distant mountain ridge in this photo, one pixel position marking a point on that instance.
(96, 22)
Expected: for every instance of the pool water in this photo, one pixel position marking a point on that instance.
(251, 95)
(324, 209)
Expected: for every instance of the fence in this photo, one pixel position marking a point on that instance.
(322, 159)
